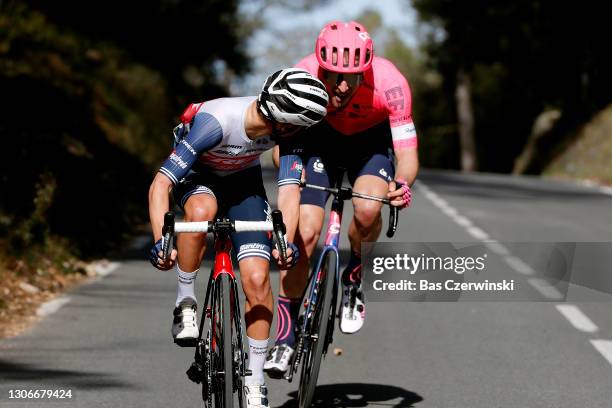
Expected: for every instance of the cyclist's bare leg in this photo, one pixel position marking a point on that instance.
(191, 247)
(255, 278)
(367, 222)
(292, 282)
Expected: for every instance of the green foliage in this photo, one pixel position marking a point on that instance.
(90, 92)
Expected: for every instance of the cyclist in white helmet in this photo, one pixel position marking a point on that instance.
(214, 171)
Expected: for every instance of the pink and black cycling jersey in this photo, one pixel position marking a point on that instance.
(383, 94)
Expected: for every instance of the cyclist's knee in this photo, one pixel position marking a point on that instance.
(311, 223)
(256, 284)
(198, 213)
(309, 236)
(367, 213)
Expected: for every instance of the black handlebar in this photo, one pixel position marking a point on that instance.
(346, 193)
(393, 218)
(168, 234)
(279, 232)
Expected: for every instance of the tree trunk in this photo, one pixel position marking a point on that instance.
(465, 114)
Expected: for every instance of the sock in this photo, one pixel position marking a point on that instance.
(186, 284)
(286, 317)
(257, 357)
(352, 272)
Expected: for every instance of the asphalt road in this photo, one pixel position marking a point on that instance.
(111, 345)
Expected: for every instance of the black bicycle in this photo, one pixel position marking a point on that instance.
(315, 325)
(220, 360)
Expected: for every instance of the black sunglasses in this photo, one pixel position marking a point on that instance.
(335, 78)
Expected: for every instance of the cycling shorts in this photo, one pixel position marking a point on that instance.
(322, 150)
(239, 196)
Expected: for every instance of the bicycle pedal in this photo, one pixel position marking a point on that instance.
(186, 342)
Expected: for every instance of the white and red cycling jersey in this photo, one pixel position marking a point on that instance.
(383, 94)
(217, 141)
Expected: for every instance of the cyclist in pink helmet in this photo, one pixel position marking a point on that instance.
(369, 131)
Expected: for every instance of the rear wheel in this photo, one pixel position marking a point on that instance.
(317, 344)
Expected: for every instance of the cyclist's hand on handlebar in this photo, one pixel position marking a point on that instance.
(293, 256)
(155, 256)
(399, 194)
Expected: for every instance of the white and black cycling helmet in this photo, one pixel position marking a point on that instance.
(293, 96)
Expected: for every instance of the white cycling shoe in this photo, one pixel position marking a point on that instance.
(185, 324)
(278, 360)
(256, 396)
(352, 312)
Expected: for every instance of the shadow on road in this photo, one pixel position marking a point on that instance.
(358, 395)
(39, 375)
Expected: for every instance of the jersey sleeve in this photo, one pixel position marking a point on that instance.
(205, 133)
(398, 99)
(290, 164)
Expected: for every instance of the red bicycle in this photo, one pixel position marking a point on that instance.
(220, 359)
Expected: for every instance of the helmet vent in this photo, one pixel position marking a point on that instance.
(324, 54)
(357, 28)
(357, 55)
(345, 58)
(334, 56)
(368, 55)
(334, 27)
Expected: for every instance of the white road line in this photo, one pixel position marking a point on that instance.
(545, 289)
(578, 319)
(604, 347)
(52, 306)
(518, 265)
(572, 313)
(463, 221)
(496, 247)
(477, 233)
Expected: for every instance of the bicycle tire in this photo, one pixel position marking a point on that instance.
(237, 344)
(226, 350)
(311, 362)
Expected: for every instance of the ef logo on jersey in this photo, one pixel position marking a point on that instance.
(318, 166)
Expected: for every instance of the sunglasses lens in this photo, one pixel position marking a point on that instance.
(333, 78)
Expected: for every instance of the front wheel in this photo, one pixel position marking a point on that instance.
(317, 343)
(225, 370)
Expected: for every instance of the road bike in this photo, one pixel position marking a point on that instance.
(220, 360)
(315, 325)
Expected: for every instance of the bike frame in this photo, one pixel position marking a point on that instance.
(332, 242)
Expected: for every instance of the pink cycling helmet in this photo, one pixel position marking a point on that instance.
(344, 48)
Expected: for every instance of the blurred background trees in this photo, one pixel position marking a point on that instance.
(520, 60)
